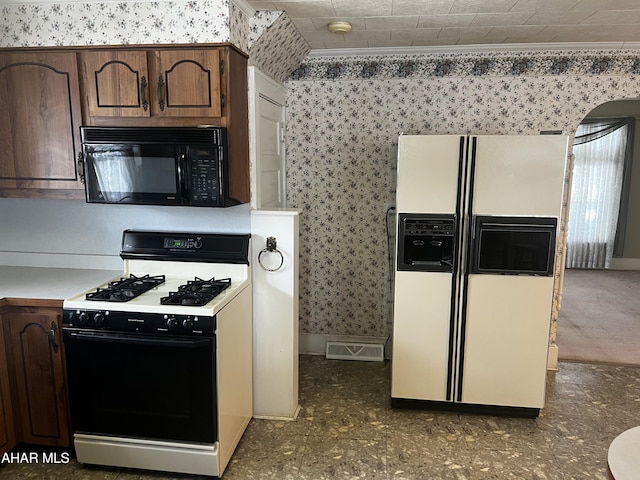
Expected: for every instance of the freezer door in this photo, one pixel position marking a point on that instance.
(506, 340)
(428, 173)
(519, 175)
(421, 336)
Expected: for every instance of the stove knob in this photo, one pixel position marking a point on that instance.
(83, 318)
(172, 322)
(188, 324)
(98, 319)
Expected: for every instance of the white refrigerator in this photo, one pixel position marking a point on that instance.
(477, 221)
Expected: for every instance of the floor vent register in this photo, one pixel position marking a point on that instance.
(366, 352)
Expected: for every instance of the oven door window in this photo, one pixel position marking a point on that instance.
(142, 386)
(514, 245)
(128, 173)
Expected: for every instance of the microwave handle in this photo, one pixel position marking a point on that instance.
(182, 175)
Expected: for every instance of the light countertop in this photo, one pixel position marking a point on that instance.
(49, 283)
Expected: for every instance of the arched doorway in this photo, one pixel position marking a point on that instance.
(600, 309)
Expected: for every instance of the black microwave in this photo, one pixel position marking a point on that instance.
(185, 166)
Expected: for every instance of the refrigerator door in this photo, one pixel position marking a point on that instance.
(519, 175)
(506, 340)
(421, 335)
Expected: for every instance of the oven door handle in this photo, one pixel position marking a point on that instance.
(141, 340)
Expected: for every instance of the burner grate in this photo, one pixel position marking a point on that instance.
(125, 289)
(196, 292)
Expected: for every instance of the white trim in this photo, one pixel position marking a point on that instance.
(262, 86)
(316, 343)
(244, 6)
(625, 264)
(489, 48)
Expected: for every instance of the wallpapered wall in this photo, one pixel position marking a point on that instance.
(343, 119)
(269, 37)
(115, 23)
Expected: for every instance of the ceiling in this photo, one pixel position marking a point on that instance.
(403, 23)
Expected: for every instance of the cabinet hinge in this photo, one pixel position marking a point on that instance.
(222, 67)
(223, 100)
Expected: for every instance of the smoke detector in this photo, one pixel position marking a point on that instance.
(339, 27)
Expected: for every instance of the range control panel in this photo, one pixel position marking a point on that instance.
(117, 321)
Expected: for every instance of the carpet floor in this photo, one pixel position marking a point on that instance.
(599, 318)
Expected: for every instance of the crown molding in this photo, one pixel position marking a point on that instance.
(489, 48)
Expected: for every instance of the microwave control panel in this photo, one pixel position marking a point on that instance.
(204, 168)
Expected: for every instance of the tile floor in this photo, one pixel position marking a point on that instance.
(346, 430)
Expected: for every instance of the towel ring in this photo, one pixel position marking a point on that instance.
(271, 247)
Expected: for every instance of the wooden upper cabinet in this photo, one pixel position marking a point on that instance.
(39, 122)
(141, 83)
(117, 83)
(187, 83)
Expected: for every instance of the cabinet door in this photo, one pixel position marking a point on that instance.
(187, 83)
(35, 342)
(7, 434)
(39, 122)
(117, 83)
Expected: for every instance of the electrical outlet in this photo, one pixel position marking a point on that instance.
(389, 205)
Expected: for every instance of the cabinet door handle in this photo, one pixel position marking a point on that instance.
(52, 337)
(160, 99)
(80, 167)
(143, 95)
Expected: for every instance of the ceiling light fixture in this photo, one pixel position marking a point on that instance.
(339, 27)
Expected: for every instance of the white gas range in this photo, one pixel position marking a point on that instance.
(159, 359)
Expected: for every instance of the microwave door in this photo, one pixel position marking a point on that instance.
(112, 173)
(129, 173)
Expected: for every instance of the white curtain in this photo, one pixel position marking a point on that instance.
(595, 194)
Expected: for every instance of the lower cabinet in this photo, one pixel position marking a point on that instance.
(36, 374)
(7, 432)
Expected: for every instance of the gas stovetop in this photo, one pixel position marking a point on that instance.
(125, 288)
(170, 281)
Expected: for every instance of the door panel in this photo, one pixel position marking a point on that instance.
(36, 346)
(507, 336)
(428, 173)
(271, 153)
(187, 83)
(519, 175)
(39, 118)
(117, 83)
(421, 335)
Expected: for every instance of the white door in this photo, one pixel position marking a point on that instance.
(267, 118)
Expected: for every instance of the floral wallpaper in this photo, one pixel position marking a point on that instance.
(279, 50)
(239, 27)
(262, 20)
(344, 115)
(115, 23)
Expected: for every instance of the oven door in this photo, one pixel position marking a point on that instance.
(514, 245)
(142, 386)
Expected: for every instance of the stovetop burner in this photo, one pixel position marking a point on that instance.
(196, 292)
(126, 289)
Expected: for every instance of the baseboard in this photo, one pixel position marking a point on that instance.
(316, 343)
(625, 264)
(552, 358)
